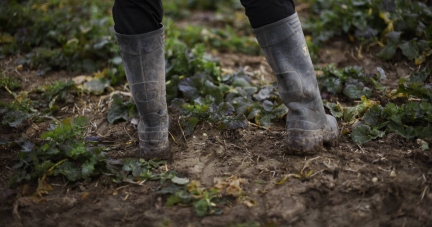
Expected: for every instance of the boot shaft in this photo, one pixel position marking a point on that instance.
(285, 49)
(144, 63)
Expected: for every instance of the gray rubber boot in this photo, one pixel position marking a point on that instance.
(285, 49)
(144, 63)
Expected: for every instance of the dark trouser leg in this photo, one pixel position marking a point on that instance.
(281, 38)
(140, 37)
(264, 12)
(133, 17)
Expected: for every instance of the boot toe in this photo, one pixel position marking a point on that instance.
(156, 149)
(331, 133)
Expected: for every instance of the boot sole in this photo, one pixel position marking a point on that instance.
(306, 142)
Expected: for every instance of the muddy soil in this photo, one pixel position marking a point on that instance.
(385, 182)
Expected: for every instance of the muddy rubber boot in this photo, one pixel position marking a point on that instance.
(285, 49)
(144, 63)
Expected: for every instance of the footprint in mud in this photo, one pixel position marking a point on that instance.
(208, 173)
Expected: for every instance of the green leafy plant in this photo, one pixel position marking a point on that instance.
(222, 40)
(352, 81)
(130, 170)
(58, 91)
(206, 110)
(62, 152)
(121, 110)
(65, 151)
(262, 107)
(416, 85)
(203, 200)
(368, 20)
(9, 82)
(20, 109)
(413, 49)
(49, 39)
(410, 120)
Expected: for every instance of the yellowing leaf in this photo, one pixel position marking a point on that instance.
(100, 74)
(194, 185)
(248, 201)
(309, 174)
(288, 176)
(81, 79)
(43, 187)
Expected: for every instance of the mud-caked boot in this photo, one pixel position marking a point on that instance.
(285, 49)
(144, 63)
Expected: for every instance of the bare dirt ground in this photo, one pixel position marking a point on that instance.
(385, 182)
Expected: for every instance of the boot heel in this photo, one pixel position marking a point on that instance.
(300, 141)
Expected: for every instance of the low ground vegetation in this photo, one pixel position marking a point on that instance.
(46, 37)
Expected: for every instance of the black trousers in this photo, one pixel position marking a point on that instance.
(132, 17)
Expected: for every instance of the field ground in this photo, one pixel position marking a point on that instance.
(385, 182)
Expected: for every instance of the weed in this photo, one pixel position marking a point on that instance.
(20, 109)
(352, 81)
(380, 22)
(11, 83)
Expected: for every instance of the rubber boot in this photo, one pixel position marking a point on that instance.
(285, 49)
(144, 63)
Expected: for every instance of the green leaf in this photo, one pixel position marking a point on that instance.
(268, 105)
(356, 91)
(73, 150)
(241, 83)
(178, 103)
(171, 189)
(394, 37)
(254, 110)
(334, 108)
(87, 169)
(44, 166)
(423, 44)
(236, 122)
(172, 88)
(420, 76)
(120, 110)
(350, 113)
(189, 125)
(15, 118)
(264, 120)
(225, 108)
(201, 208)
(426, 133)
(241, 104)
(331, 84)
(97, 86)
(81, 121)
(363, 133)
(382, 75)
(213, 90)
(409, 49)
(387, 52)
(52, 151)
(191, 86)
(180, 197)
(280, 111)
(371, 117)
(71, 172)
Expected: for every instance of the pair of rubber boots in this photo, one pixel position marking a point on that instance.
(285, 49)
